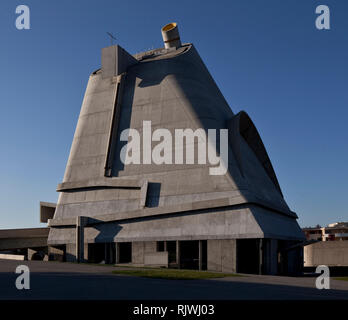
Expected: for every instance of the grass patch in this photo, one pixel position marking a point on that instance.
(174, 274)
(342, 278)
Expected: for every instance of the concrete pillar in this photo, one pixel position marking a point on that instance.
(259, 242)
(109, 253)
(117, 253)
(85, 252)
(30, 253)
(178, 253)
(81, 222)
(106, 256)
(270, 256)
(200, 255)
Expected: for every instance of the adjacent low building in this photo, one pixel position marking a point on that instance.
(24, 244)
(329, 246)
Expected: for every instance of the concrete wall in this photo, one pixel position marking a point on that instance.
(140, 249)
(156, 259)
(12, 256)
(329, 253)
(173, 90)
(224, 223)
(138, 252)
(222, 255)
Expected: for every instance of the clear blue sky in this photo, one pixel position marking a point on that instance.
(266, 56)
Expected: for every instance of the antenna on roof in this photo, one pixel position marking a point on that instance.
(111, 37)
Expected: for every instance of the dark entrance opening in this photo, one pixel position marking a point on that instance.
(125, 252)
(189, 254)
(248, 256)
(101, 253)
(96, 252)
(110, 253)
(171, 248)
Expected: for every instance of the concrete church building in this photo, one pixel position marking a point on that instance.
(173, 215)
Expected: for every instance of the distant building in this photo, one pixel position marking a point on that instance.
(333, 232)
(330, 249)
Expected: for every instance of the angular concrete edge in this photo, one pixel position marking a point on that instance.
(47, 210)
(99, 183)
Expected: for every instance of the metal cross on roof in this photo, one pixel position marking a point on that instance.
(111, 37)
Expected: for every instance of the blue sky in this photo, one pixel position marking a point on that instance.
(267, 57)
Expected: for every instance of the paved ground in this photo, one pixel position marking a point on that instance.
(54, 280)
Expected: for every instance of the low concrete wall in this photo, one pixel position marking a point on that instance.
(140, 249)
(156, 259)
(222, 255)
(12, 256)
(329, 253)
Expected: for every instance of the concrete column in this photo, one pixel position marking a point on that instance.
(106, 253)
(270, 256)
(200, 255)
(78, 239)
(111, 252)
(81, 222)
(178, 253)
(85, 253)
(30, 253)
(260, 255)
(117, 253)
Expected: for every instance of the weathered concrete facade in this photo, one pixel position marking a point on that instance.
(168, 214)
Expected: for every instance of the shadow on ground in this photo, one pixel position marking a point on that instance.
(73, 286)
